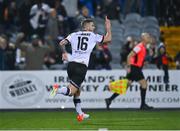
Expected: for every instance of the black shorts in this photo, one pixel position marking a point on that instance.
(76, 73)
(136, 74)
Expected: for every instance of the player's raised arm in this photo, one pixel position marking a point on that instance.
(108, 36)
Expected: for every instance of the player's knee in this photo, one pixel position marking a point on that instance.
(129, 83)
(73, 90)
(144, 85)
(77, 93)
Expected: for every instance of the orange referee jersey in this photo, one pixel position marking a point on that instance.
(138, 59)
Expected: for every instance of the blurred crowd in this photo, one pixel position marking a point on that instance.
(31, 29)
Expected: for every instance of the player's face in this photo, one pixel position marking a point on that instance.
(148, 38)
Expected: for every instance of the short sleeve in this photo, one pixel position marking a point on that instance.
(69, 38)
(137, 49)
(99, 38)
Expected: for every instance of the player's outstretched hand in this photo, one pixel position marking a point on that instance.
(107, 23)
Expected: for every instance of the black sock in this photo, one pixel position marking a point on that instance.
(143, 95)
(113, 96)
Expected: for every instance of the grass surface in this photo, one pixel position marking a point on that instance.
(112, 120)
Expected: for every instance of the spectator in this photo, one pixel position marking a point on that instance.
(34, 52)
(3, 46)
(126, 49)
(177, 60)
(99, 11)
(89, 4)
(39, 17)
(49, 59)
(107, 57)
(103, 57)
(84, 14)
(62, 18)
(71, 10)
(151, 54)
(52, 35)
(11, 16)
(162, 62)
(7, 54)
(52, 29)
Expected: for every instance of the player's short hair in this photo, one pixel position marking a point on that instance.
(145, 34)
(85, 21)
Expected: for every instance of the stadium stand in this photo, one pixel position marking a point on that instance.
(151, 25)
(131, 23)
(135, 17)
(172, 41)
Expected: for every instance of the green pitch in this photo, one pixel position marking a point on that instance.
(112, 120)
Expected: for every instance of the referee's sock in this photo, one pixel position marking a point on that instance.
(109, 100)
(113, 96)
(77, 103)
(143, 95)
(64, 90)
